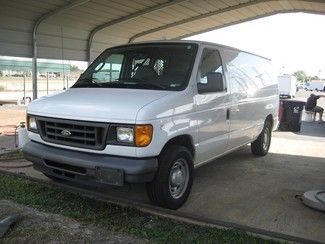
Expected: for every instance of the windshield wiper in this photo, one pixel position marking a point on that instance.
(140, 83)
(120, 83)
(87, 83)
(151, 85)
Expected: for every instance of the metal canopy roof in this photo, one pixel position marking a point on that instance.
(81, 29)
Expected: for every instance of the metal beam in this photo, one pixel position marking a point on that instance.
(220, 11)
(312, 1)
(34, 36)
(198, 17)
(128, 18)
(249, 19)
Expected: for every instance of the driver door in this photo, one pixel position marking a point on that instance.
(212, 103)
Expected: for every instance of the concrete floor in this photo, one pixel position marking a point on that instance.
(261, 193)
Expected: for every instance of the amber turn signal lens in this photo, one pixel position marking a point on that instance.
(143, 135)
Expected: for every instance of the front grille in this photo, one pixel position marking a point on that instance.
(73, 133)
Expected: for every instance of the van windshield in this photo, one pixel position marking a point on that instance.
(164, 66)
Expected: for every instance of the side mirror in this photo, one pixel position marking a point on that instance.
(212, 82)
(202, 88)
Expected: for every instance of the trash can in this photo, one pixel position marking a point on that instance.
(281, 111)
(291, 118)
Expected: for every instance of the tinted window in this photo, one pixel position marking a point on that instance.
(248, 73)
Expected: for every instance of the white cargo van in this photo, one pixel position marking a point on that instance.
(315, 85)
(152, 112)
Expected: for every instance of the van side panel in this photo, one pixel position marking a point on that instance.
(254, 95)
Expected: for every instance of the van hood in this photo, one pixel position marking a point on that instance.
(96, 104)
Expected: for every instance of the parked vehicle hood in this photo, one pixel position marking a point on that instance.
(96, 104)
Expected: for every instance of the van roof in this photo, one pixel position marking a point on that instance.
(191, 42)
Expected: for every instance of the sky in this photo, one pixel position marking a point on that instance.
(293, 41)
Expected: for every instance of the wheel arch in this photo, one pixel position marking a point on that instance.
(270, 119)
(183, 140)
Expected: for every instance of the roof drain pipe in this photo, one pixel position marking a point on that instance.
(34, 37)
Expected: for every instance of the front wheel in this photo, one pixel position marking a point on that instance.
(261, 145)
(173, 181)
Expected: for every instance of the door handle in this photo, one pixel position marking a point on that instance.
(228, 114)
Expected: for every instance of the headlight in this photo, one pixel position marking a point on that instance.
(130, 135)
(31, 124)
(125, 134)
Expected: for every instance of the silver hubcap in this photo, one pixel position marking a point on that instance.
(178, 178)
(266, 138)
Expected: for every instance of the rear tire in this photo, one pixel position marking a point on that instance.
(173, 181)
(261, 145)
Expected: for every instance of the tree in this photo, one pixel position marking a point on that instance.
(74, 68)
(300, 75)
(315, 77)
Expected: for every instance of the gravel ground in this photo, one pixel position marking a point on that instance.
(10, 117)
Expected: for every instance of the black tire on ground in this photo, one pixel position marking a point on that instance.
(261, 145)
(175, 166)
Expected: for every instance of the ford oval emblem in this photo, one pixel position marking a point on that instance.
(65, 133)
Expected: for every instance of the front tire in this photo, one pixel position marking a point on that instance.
(261, 145)
(173, 181)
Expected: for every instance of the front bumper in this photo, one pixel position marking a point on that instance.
(89, 167)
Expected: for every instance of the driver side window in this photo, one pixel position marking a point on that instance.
(211, 72)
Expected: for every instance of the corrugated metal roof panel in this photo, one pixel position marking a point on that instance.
(72, 27)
